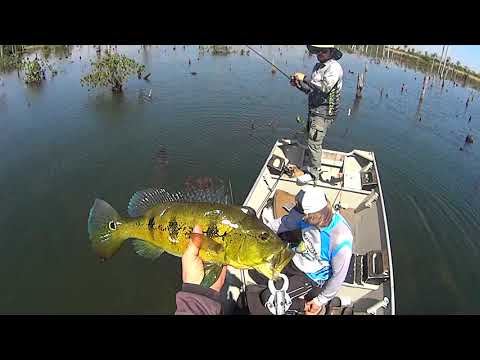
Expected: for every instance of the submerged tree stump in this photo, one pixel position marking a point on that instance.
(424, 88)
(360, 85)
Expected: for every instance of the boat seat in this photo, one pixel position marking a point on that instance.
(280, 199)
(351, 173)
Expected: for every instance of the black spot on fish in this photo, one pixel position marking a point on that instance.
(212, 230)
(173, 228)
(188, 232)
(151, 223)
(263, 236)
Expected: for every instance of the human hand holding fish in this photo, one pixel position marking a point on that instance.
(192, 265)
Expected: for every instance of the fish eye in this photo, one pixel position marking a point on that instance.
(264, 236)
(112, 225)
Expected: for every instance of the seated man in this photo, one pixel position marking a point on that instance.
(323, 257)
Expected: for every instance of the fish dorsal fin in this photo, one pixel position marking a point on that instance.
(146, 249)
(144, 200)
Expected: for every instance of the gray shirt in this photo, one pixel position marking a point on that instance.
(324, 88)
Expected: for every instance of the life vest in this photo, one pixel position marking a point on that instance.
(326, 103)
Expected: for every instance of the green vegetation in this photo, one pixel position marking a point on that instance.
(10, 63)
(220, 50)
(34, 73)
(429, 63)
(11, 59)
(112, 70)
(35, 70)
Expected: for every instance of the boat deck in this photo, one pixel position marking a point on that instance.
(361, 205)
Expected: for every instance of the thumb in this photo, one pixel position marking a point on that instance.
(195, 242)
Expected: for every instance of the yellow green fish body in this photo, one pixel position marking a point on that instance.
(161, 223)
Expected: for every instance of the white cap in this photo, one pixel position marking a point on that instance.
(312, 199)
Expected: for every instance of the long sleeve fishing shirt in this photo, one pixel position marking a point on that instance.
(197, 300)
(328, 251)
(323, 88)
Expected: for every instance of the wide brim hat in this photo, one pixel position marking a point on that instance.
(337, 54)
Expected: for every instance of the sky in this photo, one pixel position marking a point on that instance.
(468, 55)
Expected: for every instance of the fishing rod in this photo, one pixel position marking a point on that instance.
(275, 66)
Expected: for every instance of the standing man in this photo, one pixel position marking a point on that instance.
(323, 91)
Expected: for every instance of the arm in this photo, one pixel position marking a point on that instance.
(323, 81)
(285, 223)
(340, 264)
(304, 86)
(197, 300)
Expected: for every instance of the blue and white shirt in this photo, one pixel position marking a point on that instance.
(326, 253)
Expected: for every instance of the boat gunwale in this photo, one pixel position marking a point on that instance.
(387, 235)
(259, 177)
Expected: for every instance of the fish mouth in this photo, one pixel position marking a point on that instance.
(282, 259)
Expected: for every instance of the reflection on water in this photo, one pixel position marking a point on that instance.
(72, 145)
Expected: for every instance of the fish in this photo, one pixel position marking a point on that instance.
(160, 222)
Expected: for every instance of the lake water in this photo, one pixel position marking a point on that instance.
(63, 146)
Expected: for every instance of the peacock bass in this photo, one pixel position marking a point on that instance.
(163, 222)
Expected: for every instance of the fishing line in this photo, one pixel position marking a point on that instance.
(268, 61)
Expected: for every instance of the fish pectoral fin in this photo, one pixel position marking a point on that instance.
(146, 249)
(212, 272)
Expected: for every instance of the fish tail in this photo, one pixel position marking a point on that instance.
(104, 229)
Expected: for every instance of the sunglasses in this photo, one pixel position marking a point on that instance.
(323, 51)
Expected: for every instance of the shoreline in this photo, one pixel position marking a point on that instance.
(452, 67)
